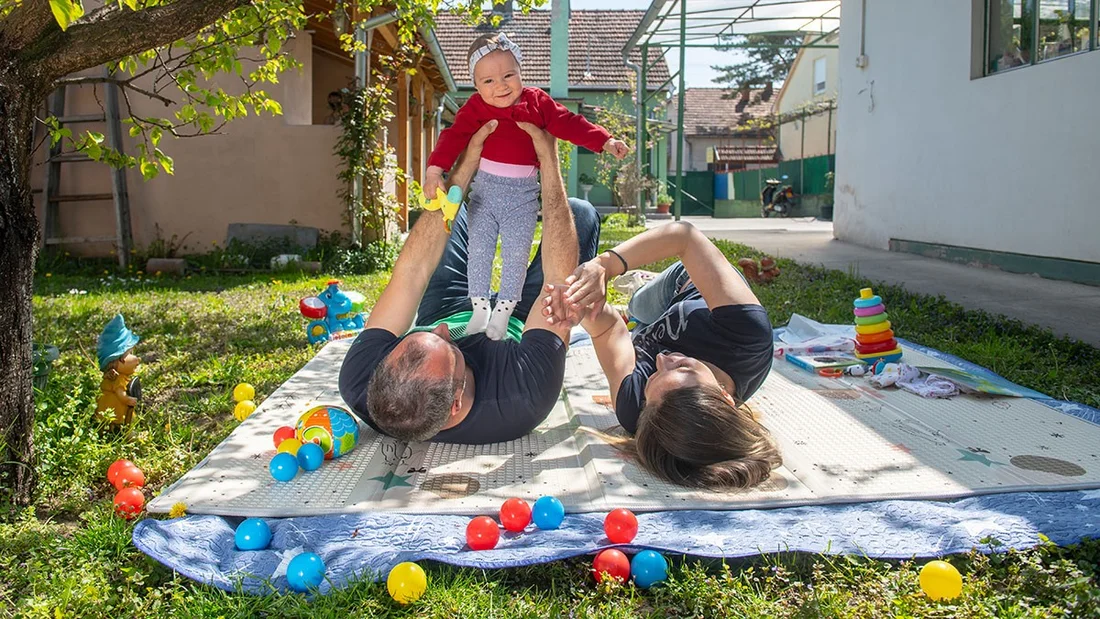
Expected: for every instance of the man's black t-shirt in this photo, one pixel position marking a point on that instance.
(515, 384)
(736, 338)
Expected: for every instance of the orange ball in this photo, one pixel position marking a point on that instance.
(128, 502)
(130, 477)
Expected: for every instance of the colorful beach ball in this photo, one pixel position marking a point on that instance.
(331, 428)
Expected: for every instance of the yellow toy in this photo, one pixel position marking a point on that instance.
(940, 580)
(243, 409)
(406, 582)
(244, 391)
(120, 391)
(448, 203)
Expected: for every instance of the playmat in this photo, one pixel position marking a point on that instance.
(842, 441)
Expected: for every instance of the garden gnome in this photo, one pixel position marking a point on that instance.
(118, 364)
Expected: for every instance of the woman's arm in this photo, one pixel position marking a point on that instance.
(717, 280)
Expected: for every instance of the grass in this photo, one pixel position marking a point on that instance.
(69, 556)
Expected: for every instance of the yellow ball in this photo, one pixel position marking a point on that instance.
(407, 582)
(290, 446)
(243, 409)
(243, 391)
(940, 580)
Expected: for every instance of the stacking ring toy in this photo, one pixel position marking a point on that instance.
(875, 338)
(870, 311)
(871, 320)
(877, 349)
(867, 298)
(889, 356)
(876, 328)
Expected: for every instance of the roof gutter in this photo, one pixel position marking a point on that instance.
(441, 63)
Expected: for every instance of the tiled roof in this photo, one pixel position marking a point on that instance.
(596, 39)
(754, 153)
(707, 111)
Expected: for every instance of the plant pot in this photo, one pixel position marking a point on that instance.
(826, 213)
(663, 208)
(42, 356)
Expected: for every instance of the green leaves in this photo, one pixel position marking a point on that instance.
(66, 12)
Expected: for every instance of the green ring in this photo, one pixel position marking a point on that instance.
(872, 320)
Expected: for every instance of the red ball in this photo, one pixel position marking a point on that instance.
(128, 502)
(130, 477)
(116, 468)
(620, 526)
(515, 515)
(482, 533)
(282, 434)
(612, 562)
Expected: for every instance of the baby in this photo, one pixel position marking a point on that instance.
(504, 197)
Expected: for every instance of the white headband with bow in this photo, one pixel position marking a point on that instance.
(503, 43)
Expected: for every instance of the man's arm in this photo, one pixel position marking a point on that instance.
(560, 250)
(396, 307)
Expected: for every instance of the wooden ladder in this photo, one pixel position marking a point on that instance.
(123, 238)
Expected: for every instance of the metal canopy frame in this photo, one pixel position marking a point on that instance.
(684, 24)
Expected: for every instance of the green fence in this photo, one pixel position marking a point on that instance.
(807, 176)
(698, 196)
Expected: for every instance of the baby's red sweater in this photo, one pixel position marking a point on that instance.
(508, 143)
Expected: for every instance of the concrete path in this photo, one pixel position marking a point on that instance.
(1065, 308)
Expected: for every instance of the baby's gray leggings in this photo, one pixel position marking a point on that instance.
(508, 207)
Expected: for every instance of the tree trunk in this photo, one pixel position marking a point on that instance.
(19, 97)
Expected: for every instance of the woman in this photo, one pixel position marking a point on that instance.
(702, 348)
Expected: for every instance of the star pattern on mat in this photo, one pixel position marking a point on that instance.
(391, 480)
(968, 455)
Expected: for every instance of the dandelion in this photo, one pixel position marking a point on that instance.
(49, 274)
(179, 510)
(140, 272)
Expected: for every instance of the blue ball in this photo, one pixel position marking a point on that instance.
(311, 456)
(283, 467)
(548, 513)
(648, 568)
(253, 534)
(305, 572)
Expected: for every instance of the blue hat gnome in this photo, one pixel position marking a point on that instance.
(120, 391)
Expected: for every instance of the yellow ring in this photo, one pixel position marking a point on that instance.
(875, 328)
(896, 351)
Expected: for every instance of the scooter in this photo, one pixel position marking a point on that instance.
(776, 198)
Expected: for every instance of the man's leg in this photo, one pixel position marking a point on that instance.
(448, 290)
(587, 221)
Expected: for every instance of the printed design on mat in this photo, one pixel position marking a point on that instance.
(1047, 465)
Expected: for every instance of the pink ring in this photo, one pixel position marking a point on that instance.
(870, 311)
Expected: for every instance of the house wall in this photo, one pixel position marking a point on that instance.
(926, 153)
(257, 169)
(813, 136)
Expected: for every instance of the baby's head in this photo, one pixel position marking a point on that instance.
(494, 67)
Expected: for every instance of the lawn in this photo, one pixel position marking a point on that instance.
(69, 556)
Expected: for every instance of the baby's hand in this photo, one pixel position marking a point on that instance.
(617, 148)
(433, 183)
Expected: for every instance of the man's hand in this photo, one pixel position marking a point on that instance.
(546, 145)
(463, 170)
(588, 287)
(618, 148)
(557, 309)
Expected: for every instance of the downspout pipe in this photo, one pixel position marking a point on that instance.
(639, 122)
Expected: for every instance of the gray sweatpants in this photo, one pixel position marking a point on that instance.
(507, 207)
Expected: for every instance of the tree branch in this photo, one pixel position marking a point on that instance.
(121, 83)
(110, 32)
(26, 23)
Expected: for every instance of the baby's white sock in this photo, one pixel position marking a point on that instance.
(498, 324)
(480, 320)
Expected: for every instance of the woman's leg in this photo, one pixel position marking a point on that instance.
(653, 299)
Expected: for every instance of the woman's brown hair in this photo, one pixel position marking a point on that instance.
(695, 437)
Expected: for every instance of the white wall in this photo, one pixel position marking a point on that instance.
(1007, 162)
(815, 135)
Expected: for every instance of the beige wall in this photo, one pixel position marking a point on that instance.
(813, 136)
(274, 170)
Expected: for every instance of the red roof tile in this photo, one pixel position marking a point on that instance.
(708, 111)
(596, 39)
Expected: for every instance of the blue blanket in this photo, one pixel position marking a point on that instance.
(368, 545)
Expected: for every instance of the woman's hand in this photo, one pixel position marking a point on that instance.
(588, 287)
(556, 309)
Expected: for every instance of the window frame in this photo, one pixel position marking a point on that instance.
(1033, 51)
(825, 69)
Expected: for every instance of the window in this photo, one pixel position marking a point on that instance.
(819, 76)
(1025, 32)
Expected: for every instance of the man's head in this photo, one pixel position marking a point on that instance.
(335, 101)
(496, 75)
(416, 390)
